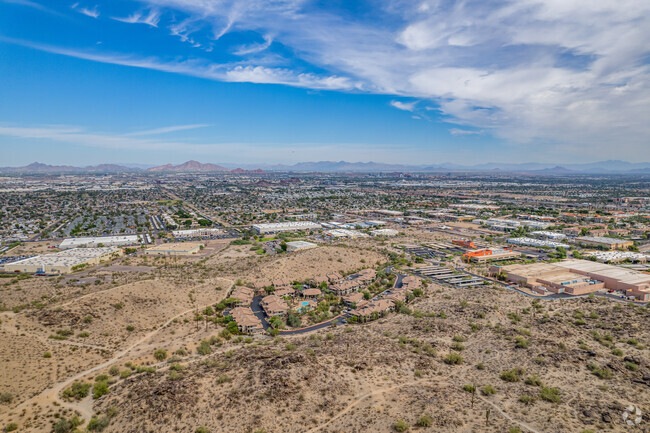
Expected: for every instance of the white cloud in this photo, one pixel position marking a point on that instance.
(93, 13)
(457, 131)
(151, 19)
(255, 48)
(406, 106)
(571, 73)
(168, 129)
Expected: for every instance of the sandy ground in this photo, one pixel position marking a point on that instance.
(356, 378)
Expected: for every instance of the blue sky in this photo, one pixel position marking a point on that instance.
(282, 81)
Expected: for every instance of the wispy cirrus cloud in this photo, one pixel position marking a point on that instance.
(167, 129)
(570, 72)
(458, 131)
(151, 19)
(93, 13)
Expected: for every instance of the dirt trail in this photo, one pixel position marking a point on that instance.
(508, 417)
(84, 407)
(352, 405)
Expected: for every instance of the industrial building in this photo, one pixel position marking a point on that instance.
(102, 241)
(484, 255)
(344, 233)
(196, 233)
(612, 243)
(63, 262)
(531, 242)
(175, 249)
(384, 232)
(633, 283)
(300, 245)
(545, 234)
(546, 277)
(617, 256)
(286, 227)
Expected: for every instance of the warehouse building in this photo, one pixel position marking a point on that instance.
(546, 277)
(633, 283)
(101, 241)
(300, 245)
(612, 243)
(196, 233)
(63, 262)
(384, 232)
(175, 249)
(286, 227)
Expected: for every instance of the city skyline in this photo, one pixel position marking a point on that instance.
(162, 81)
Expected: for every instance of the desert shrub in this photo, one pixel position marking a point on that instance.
(488, 390)
(202, 430)
(425, 421)
(617, 352)
(512, 375)
(130, 328)
(533, 380)
(101, 378)
(550, 394)
(6, 398)
(204, 348)
(77, 391)
(114, 370)
(459, 339)
(100, 389)
(458, 347)
(124, 374)
(12, 426)
(453, 359)
(469, 388)
(601, 372)
(527, 399)
(98, 424)
(632, 366)
(522, 343)
(514, 430)
(160, 354)
(47, 355)
(401, 426)
(83, 334)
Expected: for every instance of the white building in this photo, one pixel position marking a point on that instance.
(63, 262)
(384, 232)
(196, 233)
(549, 235)
(106, 241)
(300, 245)
(286, 227)
(536, 242)
(344, 233)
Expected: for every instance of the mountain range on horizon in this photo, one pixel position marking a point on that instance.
(600, 167)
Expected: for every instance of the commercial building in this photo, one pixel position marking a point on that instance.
(634, 283)
(63, 262)
(617, 256)
(101, 241)
(480, 256)
(286, 227)
(196, 233)
(613, 243)
(344, 233)
(526, 241)
(464, 244)
(544, 234)
(546, 277)
(384, 232)
(300, 245)
(175, 249)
